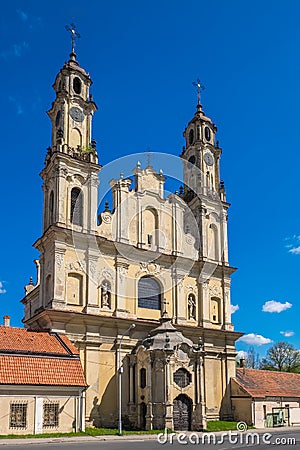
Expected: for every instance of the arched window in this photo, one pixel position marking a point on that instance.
(143, 378)
(149, 293)
(76, 214)
(51, 208)
(213, 242)
(150, 227)
(77, 85)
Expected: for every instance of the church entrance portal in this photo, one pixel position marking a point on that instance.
(182, 412)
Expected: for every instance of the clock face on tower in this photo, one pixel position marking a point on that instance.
(76, 114)
(208, 158)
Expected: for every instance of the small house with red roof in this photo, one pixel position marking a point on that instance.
(266, 398)
(42, 384)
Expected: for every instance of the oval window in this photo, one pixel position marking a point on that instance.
(77, 85)
(191, 136)
(207, 133)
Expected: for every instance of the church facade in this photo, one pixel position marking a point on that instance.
(143, 288)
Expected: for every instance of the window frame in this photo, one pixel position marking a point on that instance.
(13, 421)
(152, 302)
(55, 421)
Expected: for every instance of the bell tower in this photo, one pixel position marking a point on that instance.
(70, 187)
(203, 190)
(71, 166)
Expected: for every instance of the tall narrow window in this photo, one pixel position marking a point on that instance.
(76, 207)
(143, 378)
(51, 208)
(77, 85)
(215, 310)
(149, 293)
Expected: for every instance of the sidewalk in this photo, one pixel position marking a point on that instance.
(133, 437)
(128, 437)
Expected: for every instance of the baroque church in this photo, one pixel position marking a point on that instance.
(142, 289)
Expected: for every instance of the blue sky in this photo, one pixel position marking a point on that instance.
(143, 57)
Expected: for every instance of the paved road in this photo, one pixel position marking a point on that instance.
(278, 439)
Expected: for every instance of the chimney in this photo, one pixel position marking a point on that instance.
(242, 363)
(6, 321)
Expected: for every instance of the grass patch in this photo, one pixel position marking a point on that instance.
(222, 425)
(43, 435)
(88, 432)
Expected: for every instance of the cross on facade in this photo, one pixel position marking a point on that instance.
(165, 303)
(74, 34)
(199, 87)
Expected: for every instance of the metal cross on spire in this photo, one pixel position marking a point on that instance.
(199, 87)
(74, 34)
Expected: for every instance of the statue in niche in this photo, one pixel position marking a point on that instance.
(191, 307)
(105, 294)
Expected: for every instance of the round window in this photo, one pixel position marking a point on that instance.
(77, 85)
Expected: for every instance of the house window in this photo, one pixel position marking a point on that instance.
(149, 293)
(182, 378)
(143, 378)
(51, 412)
(18, 415)
(76, 206)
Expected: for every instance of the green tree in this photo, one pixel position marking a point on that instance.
(282, 357)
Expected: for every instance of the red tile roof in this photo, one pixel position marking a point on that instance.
(31, 370)
(267, 383)
(21, 340)
(38, 358)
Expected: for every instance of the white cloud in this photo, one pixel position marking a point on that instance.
(295, 250)
(234, 308)
(15, 50)
(23, 15)
(19, 109)
(2, 290)
(273, 306)
(254, 339)
(287, 333)
(242, 355)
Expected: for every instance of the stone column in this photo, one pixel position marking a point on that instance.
(60, 195)
(121, 273)
(203, 288)
(59, 295)
(149, 416)
(169, 405)
(91, 306)
(92, 205)
(200, 421)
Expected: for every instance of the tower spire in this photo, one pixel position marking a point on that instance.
(74, 35)
(200, 88)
